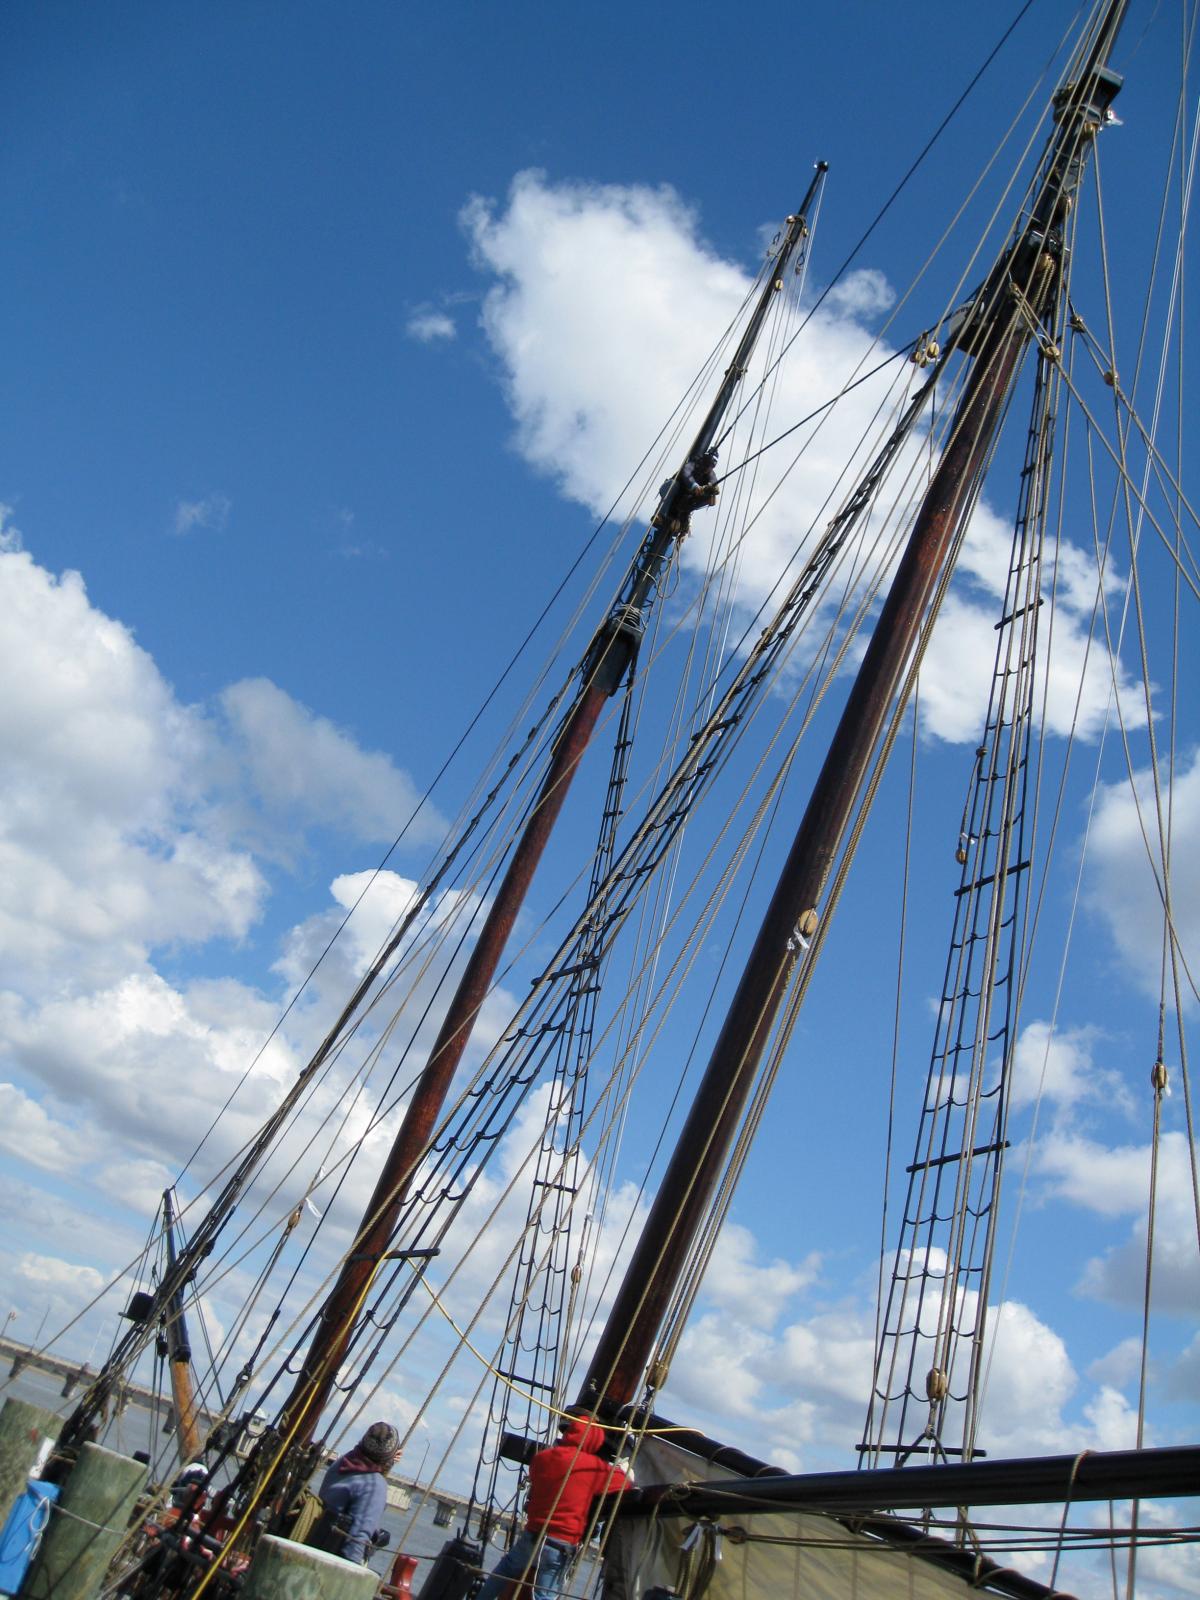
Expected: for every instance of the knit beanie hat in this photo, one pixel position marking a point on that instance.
(380, 1443)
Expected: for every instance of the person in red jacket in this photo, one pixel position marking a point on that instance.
(564, 1481)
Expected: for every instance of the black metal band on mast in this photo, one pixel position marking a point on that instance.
(1000, 328)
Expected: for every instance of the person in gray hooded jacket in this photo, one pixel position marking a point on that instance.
(354, 1494)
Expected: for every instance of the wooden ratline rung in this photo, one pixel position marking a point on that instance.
(957, 1155)
(532, 1383)
(588, 964)
(1019, 612)
(982, 883)
(546, 1183)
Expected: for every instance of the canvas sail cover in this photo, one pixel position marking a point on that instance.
(784, 1552)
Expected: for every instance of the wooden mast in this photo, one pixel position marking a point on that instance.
(610, 656)
(999, 330)
(179, 1353)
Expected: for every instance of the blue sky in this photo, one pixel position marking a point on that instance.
(286, 381)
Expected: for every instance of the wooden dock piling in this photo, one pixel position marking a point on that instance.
(86, 1526)
(24, 1431)
(282, 1570)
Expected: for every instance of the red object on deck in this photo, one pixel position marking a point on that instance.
(399, 1584)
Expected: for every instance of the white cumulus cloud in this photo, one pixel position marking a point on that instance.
(1059, 1067)
(1125, 872)
(103, 843)
(1114, 1182)
(593, 284)
(302, 764)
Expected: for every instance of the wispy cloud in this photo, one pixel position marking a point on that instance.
(10, 536)
(427, 325)
(211, 513)
(349, 547)
(362, 550)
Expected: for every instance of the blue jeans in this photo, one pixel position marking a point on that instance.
(552, 1562)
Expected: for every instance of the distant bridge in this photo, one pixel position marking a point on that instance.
(404, 1493)
(76, 1374)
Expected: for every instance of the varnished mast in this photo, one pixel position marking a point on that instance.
(608, 660)
(179, 1353)
(1001, 324)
